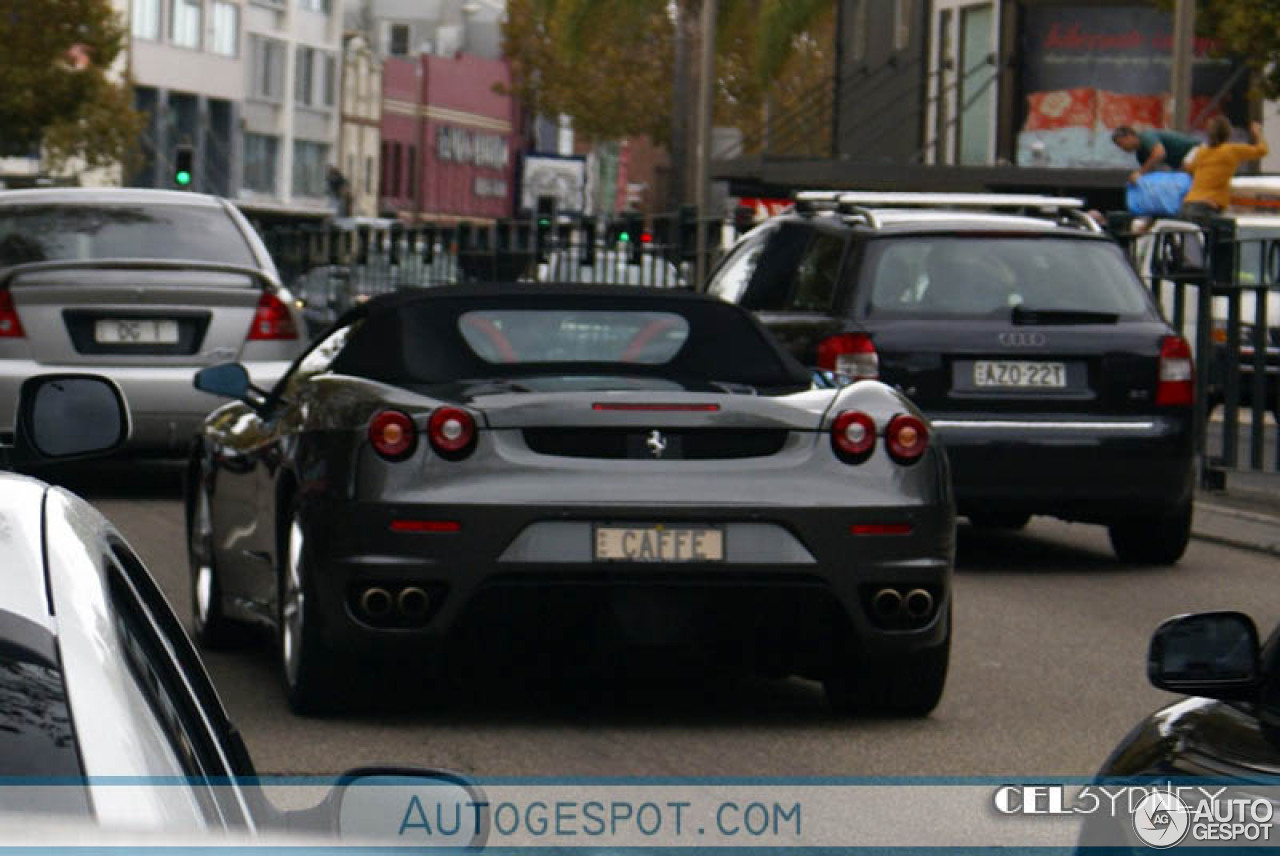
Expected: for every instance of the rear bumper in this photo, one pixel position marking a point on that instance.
(795, 583)
(165, 407)
(1079, 469)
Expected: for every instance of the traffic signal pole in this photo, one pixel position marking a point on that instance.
(1184, 27)
(706, 80)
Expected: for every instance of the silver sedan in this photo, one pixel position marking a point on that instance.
(145, 287)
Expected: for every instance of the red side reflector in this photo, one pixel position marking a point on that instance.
(425, 526)
(881, 529)
(658, 408)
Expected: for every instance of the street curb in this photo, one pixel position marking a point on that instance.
(1238, 543)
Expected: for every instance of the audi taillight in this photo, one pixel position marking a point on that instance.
(853, 436)
(10, 326)
(906, 438)
(452, 432)
(271, 320)
(1176, 385)
(850, 354)
(393, 434)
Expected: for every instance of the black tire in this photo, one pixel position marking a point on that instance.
(1158, 539)
(909, 685)
(210, 625)
(314, 676)
(1008, 521)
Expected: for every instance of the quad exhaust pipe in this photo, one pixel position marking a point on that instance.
(376, 602)
(918, 603)
(412, 602)
(888, 604)
(380, 605)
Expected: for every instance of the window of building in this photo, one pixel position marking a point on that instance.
(185, 23)
(225, 36)
(399, 43)
(314, 5)
(146, 19)
(304, 75)
(396, 169)
(261, 156)
(267, 67)
(309, 161)
(902, 11)
(328, 80)
(413, 173)
(368, 174)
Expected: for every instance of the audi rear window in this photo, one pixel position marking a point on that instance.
(92, 232)
(994, 276)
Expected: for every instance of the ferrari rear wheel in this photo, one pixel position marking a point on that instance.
(908, 685)
(311, 673)
(212, 628)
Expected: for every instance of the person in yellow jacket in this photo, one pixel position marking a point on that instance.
(1212, 167)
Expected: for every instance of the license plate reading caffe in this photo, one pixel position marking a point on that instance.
(1011, 374)
(659, 544)
(135, 331)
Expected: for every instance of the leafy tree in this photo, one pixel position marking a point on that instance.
(610, 64)
(1247, 29)
(57, 88)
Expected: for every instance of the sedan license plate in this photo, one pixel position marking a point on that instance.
(670, 544)
(135, 331)
(1019, 374)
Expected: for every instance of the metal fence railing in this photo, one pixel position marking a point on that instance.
(331, 267)
(1219, 284)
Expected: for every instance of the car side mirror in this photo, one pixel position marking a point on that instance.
(1210, 654)
(63, 417)
(228, 380)
(409, 807)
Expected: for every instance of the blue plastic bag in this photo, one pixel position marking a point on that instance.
(1157, 194)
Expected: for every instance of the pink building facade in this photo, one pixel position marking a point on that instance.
(449, 140)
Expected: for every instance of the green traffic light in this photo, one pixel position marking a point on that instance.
(544, 222)
(624, 237)
(182, 178)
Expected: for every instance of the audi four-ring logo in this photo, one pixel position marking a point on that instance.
(1022, 340)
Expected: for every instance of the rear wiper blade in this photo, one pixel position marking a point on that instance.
(1024, 315)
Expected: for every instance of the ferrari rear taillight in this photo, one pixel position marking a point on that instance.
(853, 436)
(850, 354)
(452, 432)
(1176, 385)
(10, 326)
(393, 434)
(906, 438)
(271, 320)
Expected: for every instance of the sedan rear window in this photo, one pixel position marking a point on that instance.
(569, 336)
(81, 232)
(946, 277)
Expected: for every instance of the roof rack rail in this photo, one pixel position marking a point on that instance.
(1068, 210)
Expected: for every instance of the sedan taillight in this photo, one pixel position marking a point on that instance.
(906, 438)
(452, 432)
(271, 320)
(853, 436)
(393, 434)
(1176, 384)
(10, 326)
(850, 354)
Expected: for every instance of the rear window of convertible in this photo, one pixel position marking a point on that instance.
(437, 339)
(539, 336)
(987, 277)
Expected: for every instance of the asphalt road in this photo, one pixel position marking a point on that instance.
(1048, 672)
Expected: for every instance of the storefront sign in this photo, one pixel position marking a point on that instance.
(464, 146)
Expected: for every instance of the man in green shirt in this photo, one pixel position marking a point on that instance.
(1153, 149)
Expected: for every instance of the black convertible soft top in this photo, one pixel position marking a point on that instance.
(413, 337)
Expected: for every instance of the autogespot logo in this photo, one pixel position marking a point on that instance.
(1161, 819)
